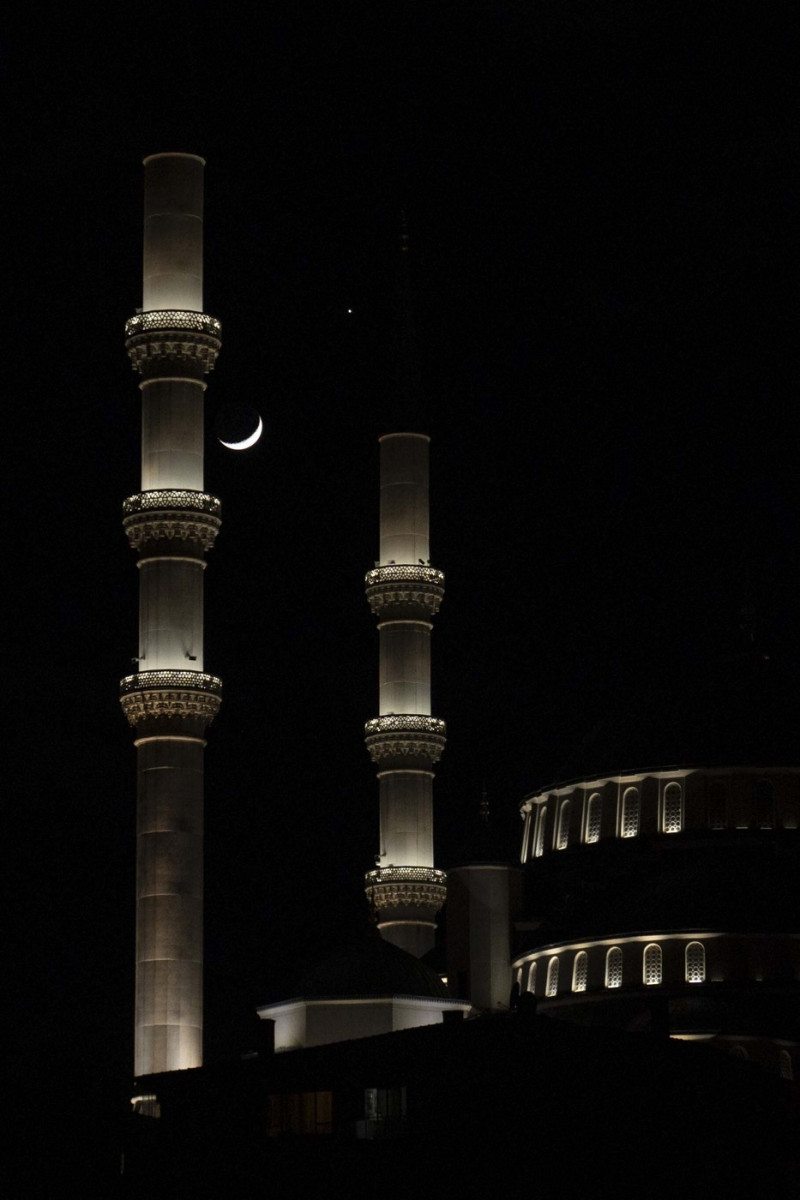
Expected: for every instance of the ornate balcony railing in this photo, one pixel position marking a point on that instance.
(407, 735)
(404, 583)
(405, 723)
(172, 696)
(405, 573)
(173, 318)
(156, 680)
(172, 498)
(192, 338)
(406, 875)
(406, 892)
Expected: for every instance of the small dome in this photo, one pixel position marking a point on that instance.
(370, 966)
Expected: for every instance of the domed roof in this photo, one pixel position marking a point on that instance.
(369, 966)
(735, 711)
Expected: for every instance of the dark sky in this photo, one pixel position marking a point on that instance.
(602, 206)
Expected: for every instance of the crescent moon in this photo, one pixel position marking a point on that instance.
(248, 441)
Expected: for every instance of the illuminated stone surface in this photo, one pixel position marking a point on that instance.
(170, 700)
(405, 741)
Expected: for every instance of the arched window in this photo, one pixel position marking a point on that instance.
(594, 812)
(785, 1065)
(651, 964)
(672, 808)
(739, 1052)
(614, 967)
(695, 962)
(629, 823)
(717, 805)
(765, 804)
(532, 977)
(541, 823)
(562, 836)
(518, 978)
(526, 836)
(552, 978)
(580, 971)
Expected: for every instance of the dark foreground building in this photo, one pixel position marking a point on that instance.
(465, 1109)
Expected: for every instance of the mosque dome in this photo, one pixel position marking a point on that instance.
(369, 966)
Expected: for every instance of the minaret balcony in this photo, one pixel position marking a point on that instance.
(405, 734)
(186, 695)
(194, 337)
(404, 583)
(171, 514)
(406, 888)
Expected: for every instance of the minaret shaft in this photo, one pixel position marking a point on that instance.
(172, 434)
(171, 614)
(405, 741)
(173, 233)
(170, 700)
(405, 523)
(406, 800)
(404, 684)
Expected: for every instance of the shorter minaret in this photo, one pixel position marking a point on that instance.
(405, 591)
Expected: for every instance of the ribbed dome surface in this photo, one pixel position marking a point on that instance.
(736, 711)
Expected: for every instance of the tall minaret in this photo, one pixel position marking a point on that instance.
(170, 701)
(405, 591)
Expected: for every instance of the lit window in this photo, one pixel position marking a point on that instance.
(386, 1107)
(532, 977)
(580, 971)
(552, 978)
(541, 822)
(651, 964)
(300, 1112)
(695, 959)
(526, 837)
(785, 1065)
(629, 825)
(614, 968)
(673, 808)
(562, 837)
(594, 810)
(717, 804)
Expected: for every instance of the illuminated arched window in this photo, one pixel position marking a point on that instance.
(541, 823)
(532, 977)
(717, 805)
(562, 837)
(695, 961)
(594, 812)
(651, 964)
(785, 1065)
(518, 978)
(580, 971)
(614, 967)
(526, 836)
(552, 978)
(673, 808)
(629, 823)
(765, 804)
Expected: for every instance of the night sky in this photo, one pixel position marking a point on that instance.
(601, 199)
